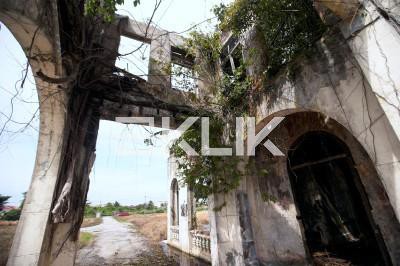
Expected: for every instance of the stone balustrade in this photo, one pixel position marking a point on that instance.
(174, 233)
(200, 241)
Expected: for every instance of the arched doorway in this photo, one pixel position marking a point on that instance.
(174, 202)
(332, 205)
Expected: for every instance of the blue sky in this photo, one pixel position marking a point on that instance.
(126, 170)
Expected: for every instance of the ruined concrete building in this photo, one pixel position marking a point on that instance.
(336, 190)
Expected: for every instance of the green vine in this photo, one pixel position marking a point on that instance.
(230, 91)
(234, 92)
(206, 175)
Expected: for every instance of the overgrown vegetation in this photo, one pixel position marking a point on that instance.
(288, 28)
(85, 239)
(3, 201)
(206, 174)
(230, 89)
(11, 215)
(104, 8)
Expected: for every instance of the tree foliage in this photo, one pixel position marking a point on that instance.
(288, 26)
(104, 8)
(206, 175)
(111, 208)
(12, 215)
(3, 201)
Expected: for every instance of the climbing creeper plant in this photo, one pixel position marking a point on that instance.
(288, 28)
(206, 175)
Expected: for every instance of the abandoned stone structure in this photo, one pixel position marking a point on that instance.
(340, 140)
(336, 190)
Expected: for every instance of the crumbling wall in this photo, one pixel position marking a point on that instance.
(331, 83)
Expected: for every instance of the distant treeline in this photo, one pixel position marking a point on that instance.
(112, 208)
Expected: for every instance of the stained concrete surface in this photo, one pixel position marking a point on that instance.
(114, 243)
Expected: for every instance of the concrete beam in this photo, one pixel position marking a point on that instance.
(143, 32)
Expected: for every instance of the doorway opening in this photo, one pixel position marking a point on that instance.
(175, 202)
(333, 208)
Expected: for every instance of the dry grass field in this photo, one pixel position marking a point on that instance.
(91, 222)
(202, 217)
(7, 230)
(154, 226)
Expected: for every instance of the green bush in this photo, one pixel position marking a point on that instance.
(12, 215)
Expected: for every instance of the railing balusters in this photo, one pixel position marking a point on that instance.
(175, 233)
(201, 242)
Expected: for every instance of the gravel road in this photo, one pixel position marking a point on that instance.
(115, 243)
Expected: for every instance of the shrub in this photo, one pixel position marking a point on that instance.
(12, 215)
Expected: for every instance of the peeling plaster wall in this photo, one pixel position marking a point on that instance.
(362, 98)
(278, 231)
(332, 83)
(225, 232)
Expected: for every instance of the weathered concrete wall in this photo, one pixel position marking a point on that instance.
(226, 239)
(375, 41)
(272, 191)
(352, 82)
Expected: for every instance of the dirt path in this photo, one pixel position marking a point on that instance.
(115, 243)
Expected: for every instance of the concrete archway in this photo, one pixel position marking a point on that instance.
(33, 242)
(174, 194)
(335, 214)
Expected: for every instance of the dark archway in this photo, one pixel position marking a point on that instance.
(332, 204)
(174, 202)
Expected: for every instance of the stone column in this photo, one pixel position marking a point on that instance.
(160, 61)
(29, 238)
(225, 235)
(65, 150)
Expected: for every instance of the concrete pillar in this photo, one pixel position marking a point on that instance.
(32, 233)
(160, 61)
(225, 235)
(64, 148)
(29, 239)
